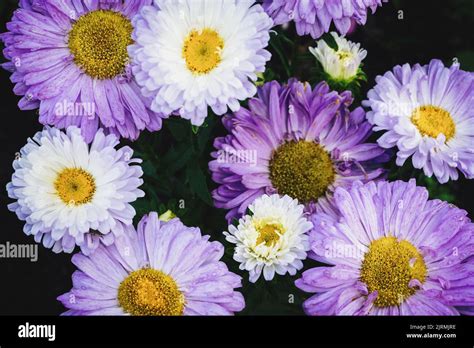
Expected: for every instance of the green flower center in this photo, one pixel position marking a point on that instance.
(301, 170)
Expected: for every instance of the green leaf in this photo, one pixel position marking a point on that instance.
(179, 159)
(179, 130)
(195, 129)
(331, 42)
(148, 168)
(276, 44)
(198, 184)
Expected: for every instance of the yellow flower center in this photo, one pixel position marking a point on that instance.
(150, 292)
(344, 55)
(202, 50)
(388, 268)
(268, 233)
(301, 170)
(432, 121)
(75, 186)
(99, 40)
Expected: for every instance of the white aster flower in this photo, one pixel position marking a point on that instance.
(70, 193)
(191, 54)
(341, 64)
(272, 239)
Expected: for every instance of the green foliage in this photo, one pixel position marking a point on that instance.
(175, 162)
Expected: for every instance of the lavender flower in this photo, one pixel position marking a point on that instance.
(295, 141)
(390, 251)
(70, 60)
(163, 268)
(314, 17)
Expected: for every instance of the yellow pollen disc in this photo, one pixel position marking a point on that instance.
(388, 268)
(150, 292)
(301, 170)
(75, 186)
(344, 55)
(202, 50)
(268, 233)
(432, 121)
(98, 40)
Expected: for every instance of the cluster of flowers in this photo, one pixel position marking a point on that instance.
(105, 70)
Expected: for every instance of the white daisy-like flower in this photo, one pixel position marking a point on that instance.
(191, 54)
(428, 114)
(342, 64)
(70, 193)
(272, 239)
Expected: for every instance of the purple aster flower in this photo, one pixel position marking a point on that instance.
(70, 193)
(314, 17)
(70, 60)
(391, 251)
(163, 268)
(428, 113)
(295, 141)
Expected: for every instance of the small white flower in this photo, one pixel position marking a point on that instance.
(343, 64)
(272, 239)
(70, 193)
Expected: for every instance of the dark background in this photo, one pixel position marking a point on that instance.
(429, 29)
